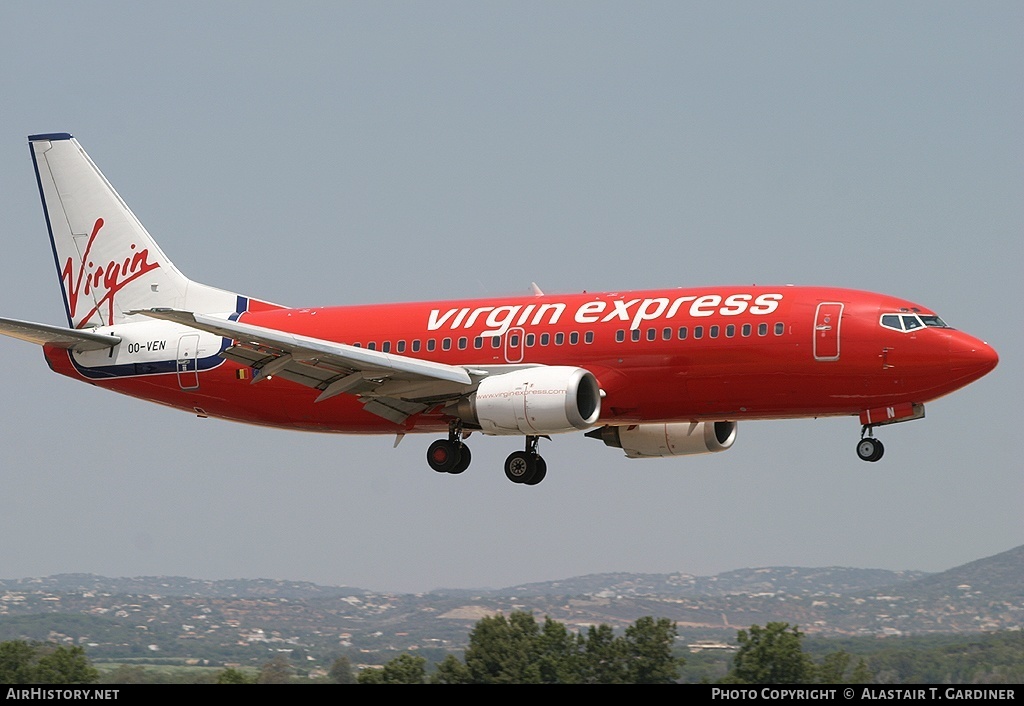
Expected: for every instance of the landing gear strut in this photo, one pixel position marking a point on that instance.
(526, 467)
(869, 448)
(450, 455)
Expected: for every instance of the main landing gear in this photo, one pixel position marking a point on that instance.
(869, 448)
(526, 467)
(451, 455)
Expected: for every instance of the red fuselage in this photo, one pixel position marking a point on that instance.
(716, 353)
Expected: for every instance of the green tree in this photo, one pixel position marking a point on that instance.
(451, 671)
(230, 675)
(403, 669)
(17, 662)
(559, 654)
(276, 671)
(833, 667)
(648, 648)
(861, 673)
(771, 655)
(604, 657)
(504, 650)
(516, 650)
(341, 671)
(25, 663)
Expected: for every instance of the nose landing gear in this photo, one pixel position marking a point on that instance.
(869, 448)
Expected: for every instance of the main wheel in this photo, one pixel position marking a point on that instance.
(443, 456)
(464, 458)
(870, 449)
(520, 467)
(540, 470)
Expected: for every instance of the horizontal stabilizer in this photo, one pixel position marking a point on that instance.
(59, 336)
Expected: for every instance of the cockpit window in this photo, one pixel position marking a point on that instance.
(933, 320)
(891, 321)
(911, 322)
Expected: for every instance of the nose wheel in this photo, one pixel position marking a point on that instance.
(870, 449)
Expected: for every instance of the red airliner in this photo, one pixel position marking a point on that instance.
(656, 373)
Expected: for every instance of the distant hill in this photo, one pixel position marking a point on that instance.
(997, 578)
(245, 620)
(792, 580)
(177, 586)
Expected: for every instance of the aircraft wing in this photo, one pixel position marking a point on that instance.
(44, 334)
(393, 386)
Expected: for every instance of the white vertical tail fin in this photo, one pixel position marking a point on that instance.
(107, 262)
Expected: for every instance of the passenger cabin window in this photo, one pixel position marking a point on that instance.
(588, 337)
(620, 336)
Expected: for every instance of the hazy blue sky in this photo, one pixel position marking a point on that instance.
(328, 153)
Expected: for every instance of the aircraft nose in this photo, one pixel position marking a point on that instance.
(970, 356)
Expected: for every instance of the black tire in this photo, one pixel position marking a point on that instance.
(540, 470)
(870, 450)
(443, 456)
(464, 460)
(520, 467)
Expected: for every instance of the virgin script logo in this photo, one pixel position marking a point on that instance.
(101, 282)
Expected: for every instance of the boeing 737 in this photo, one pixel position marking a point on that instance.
(656, 373)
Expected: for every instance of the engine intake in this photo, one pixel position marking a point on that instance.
(541, 400)
(661, 440)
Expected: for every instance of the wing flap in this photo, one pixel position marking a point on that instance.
(395, 386)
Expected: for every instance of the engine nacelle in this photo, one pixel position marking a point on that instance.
(534, 401)
(661, 440)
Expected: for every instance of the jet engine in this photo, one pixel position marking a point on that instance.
(661, 440)
(533, 401)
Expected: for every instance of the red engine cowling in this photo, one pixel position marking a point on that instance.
(540, 400)
(661, 440)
